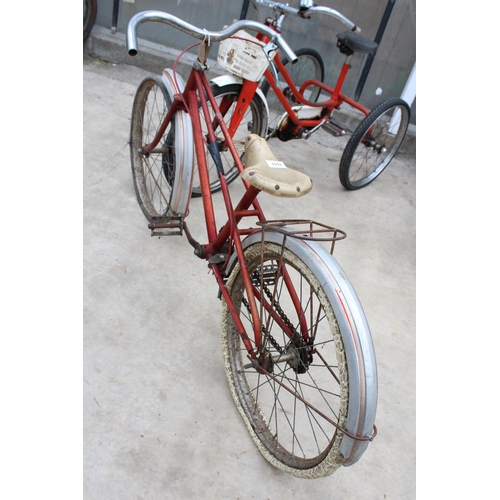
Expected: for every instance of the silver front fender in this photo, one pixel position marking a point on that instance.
(184, 147)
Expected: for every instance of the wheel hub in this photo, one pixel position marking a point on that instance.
(294, 361)
(265, 363)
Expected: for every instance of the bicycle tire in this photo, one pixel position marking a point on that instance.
(373, 144)
(89, 16)
(288, 433)
(309, 66)
(252, 123)
(160, 177)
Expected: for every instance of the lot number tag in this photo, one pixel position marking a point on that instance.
(275, 164)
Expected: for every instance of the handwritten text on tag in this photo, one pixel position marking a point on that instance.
(275, 164)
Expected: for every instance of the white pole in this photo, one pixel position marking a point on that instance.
(408, 95)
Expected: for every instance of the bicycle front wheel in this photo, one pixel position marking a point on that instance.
(253, 122)
(296, 408)
(374, 143)
(160, 176)
(309, 66)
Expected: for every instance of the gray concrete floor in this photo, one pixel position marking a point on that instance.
(159, 421)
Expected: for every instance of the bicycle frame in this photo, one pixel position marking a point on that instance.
(197, 87)
(337, 98)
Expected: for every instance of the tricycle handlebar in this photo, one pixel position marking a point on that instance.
(305, 11)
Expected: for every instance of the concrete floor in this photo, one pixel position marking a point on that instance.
(159, 421)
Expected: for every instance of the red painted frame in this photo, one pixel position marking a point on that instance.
(337, 97)
(189, 101)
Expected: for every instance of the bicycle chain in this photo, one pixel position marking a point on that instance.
(267, 334)
(277, 306)
(304, 346)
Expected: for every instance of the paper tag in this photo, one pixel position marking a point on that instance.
(243, 58)
(275, 164)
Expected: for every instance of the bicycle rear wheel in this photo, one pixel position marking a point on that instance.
(374, 143)
(160, 177)
(296, 408)
(309, 66)
(252, 123)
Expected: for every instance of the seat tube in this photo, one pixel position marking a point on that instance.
(202, 168)
(343, 73)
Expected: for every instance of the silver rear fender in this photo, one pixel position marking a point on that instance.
(360, 354)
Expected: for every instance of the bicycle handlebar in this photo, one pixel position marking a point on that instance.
(202, 34)
(306, 11)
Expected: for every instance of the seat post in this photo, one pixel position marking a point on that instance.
(343, 73)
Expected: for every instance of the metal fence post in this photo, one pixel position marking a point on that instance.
(369, 60)
(244, 9)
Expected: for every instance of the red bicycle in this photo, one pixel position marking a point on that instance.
(287, 102)
(297, 348)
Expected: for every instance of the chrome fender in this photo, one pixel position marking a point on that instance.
(360, 354)
(184, 147)
(224, 80)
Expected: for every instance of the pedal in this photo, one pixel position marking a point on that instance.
(173, 226)
(335, 129)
